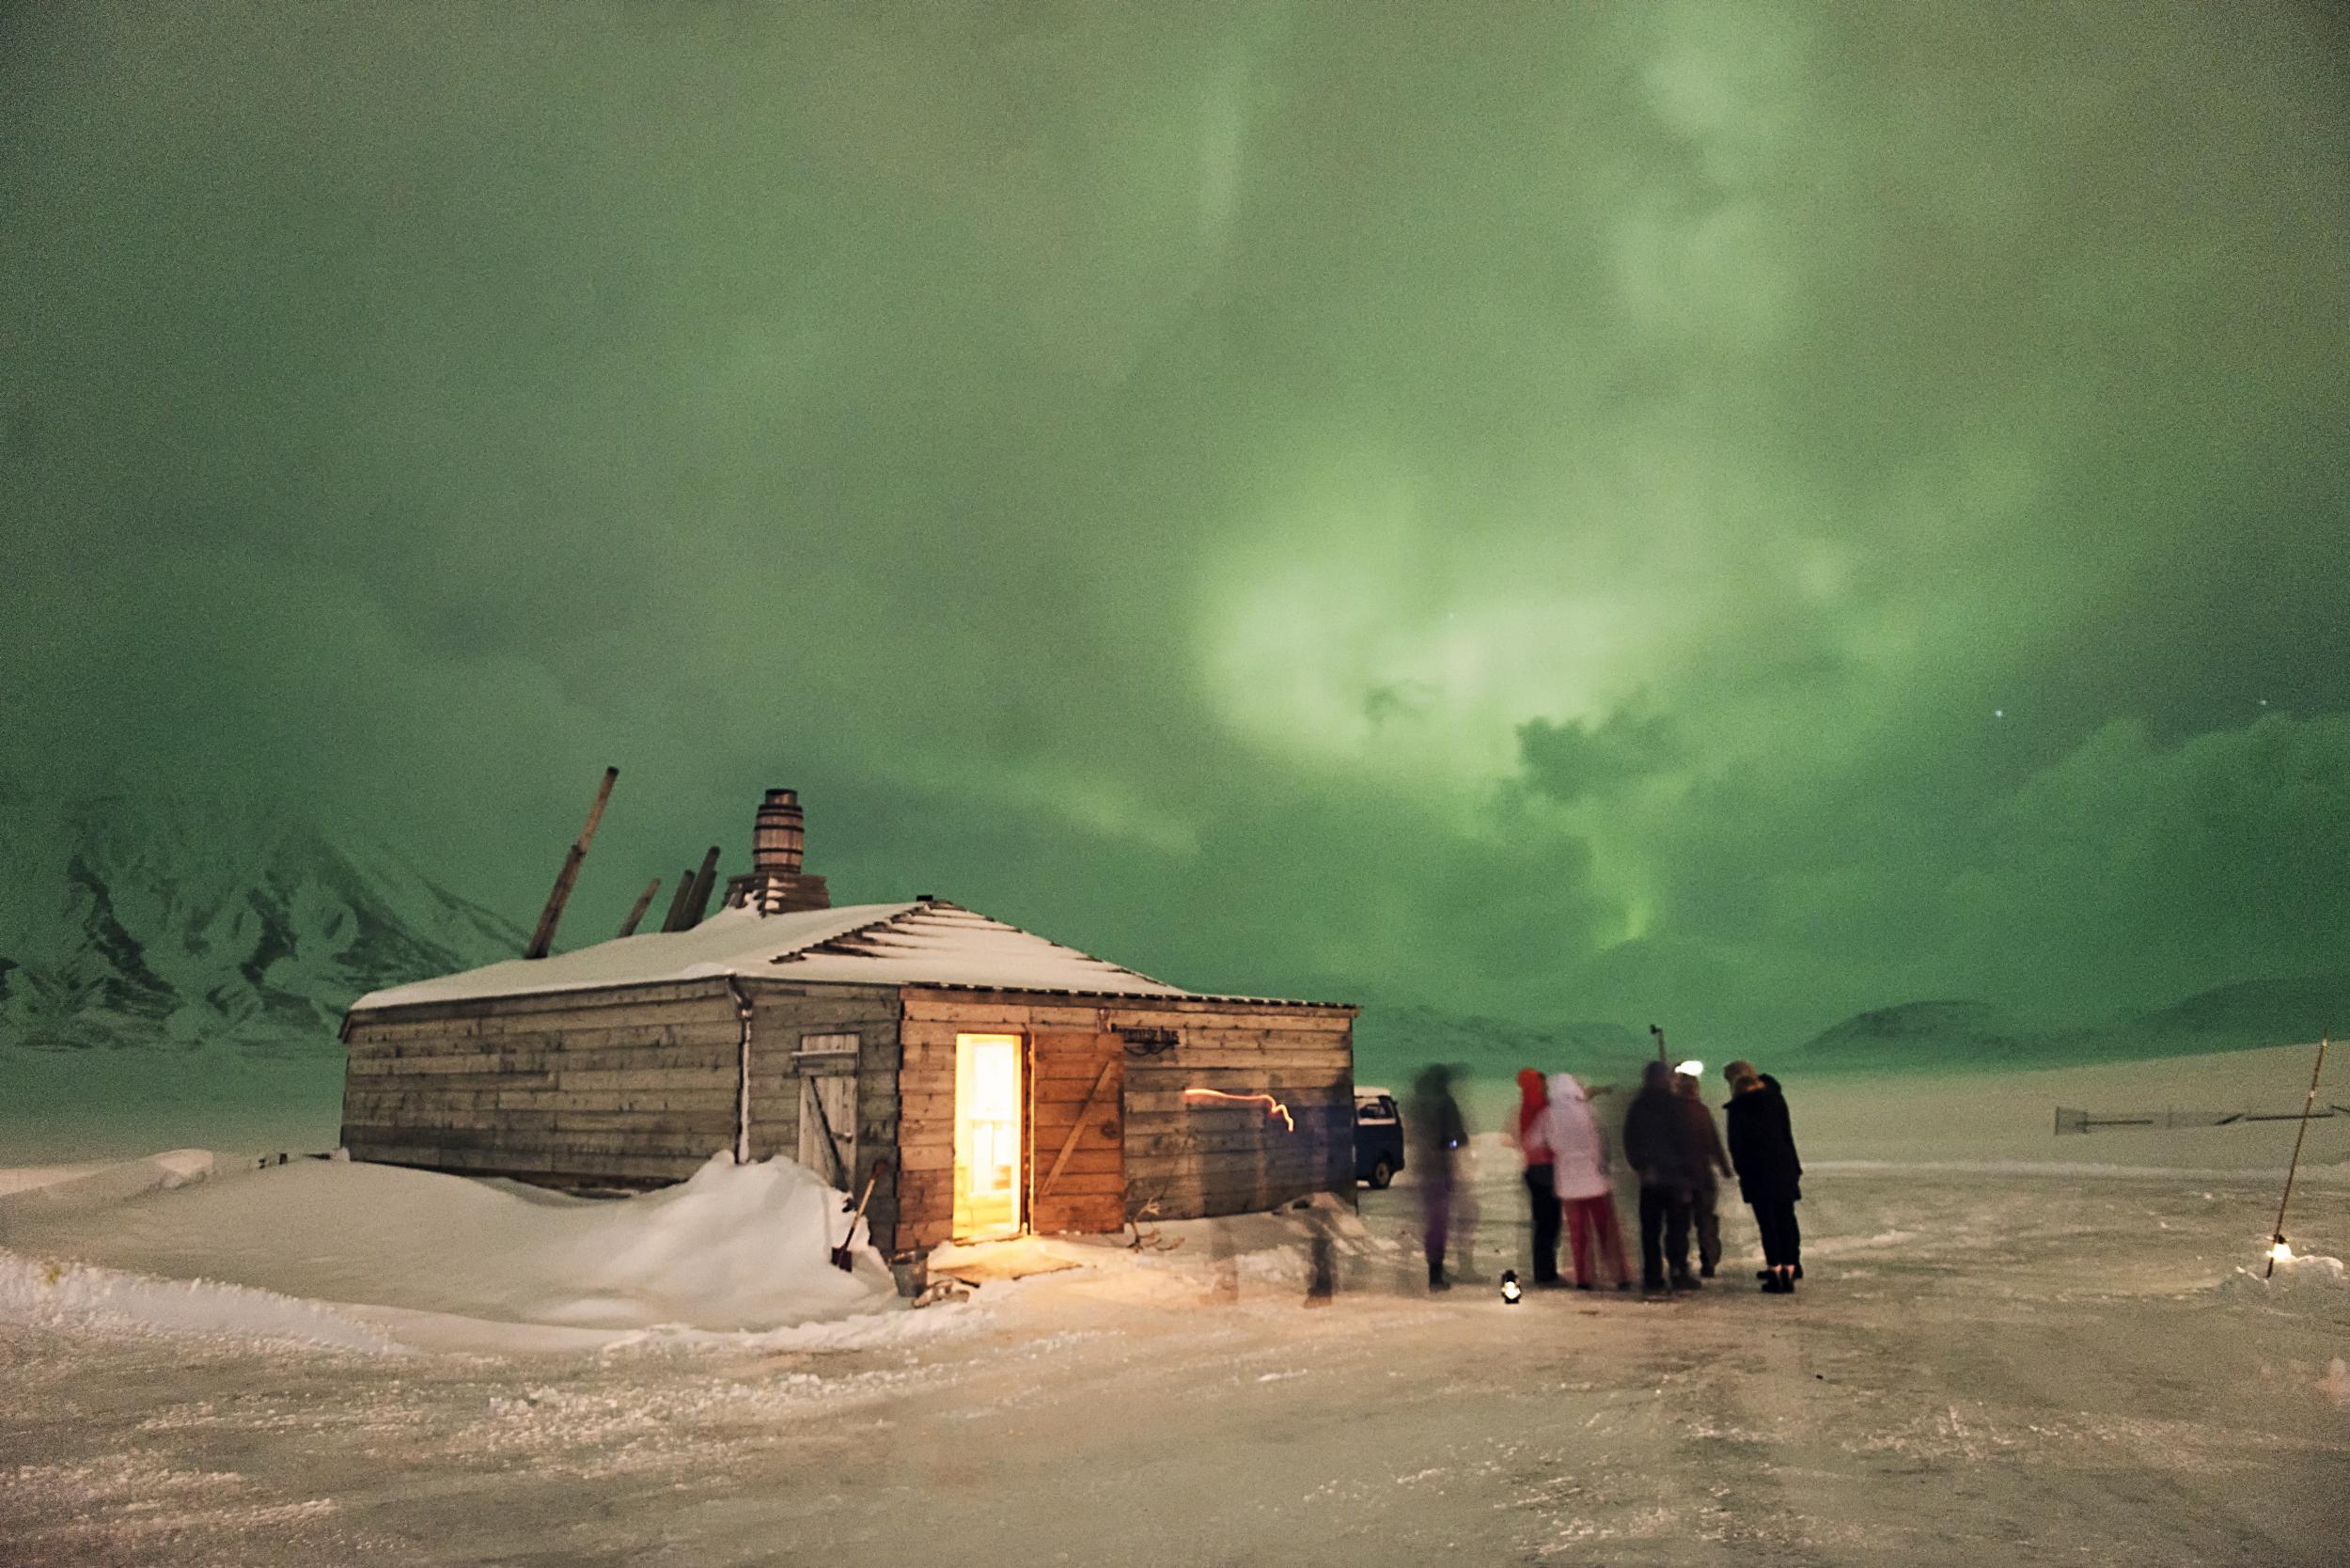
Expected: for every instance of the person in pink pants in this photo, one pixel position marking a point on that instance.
(1579, 1175)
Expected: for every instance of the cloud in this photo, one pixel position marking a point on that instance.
(1531, 509)
(1570, 760)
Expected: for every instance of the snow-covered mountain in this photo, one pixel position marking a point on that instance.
(176, 919)
(1964, 1034)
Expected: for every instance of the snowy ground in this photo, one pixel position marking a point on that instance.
(2004, 1363)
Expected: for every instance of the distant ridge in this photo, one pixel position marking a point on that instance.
(1394, 1039)
(1957, 1035)
(145, 921)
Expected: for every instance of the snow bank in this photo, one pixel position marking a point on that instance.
(65, 1188)
(53, 1294)
(735, 1249)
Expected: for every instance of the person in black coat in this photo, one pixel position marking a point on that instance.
(1770, 1176)
(1660, 1143)
(1440, 1140)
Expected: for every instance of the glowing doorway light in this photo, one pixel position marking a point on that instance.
(1272, 1107)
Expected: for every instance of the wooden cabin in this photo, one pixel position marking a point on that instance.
(1011, 1084)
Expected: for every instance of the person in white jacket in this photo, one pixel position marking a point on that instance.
(1579, 1175)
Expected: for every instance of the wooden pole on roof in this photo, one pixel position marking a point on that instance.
(544, 938)
(705, 879)
(644, 902)
(676, 917)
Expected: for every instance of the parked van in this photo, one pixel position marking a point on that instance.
(1378, 1137)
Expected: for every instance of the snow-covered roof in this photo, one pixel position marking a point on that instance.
(928, 942)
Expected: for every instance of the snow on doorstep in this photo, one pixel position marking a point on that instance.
(734, 1248)
(874, 944)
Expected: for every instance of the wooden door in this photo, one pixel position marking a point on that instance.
(1076, 1132)
(834, 1094)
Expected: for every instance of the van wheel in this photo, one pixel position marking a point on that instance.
(1381, 1172)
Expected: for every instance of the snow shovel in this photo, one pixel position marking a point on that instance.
(840, 1254)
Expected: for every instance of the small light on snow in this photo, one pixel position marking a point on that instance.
(1509, 1291)
(2281, 1252)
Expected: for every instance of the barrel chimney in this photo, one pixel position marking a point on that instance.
(778, 882)
(779, 834)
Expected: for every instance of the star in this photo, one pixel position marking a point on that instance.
(1999, 712)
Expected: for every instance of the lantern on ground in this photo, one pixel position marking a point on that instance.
(1509, 1291)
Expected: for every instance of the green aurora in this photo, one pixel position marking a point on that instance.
(1716, 513)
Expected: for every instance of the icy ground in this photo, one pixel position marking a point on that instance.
(1995, 1362)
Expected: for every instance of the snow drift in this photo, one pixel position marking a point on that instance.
(55, 1295)
(736, 1248)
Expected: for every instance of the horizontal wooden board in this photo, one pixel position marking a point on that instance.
(1079, 1214)
(926, 1157)
(711, 1074)
(681, 998)
(1182, 1020)
(1060, 1094)
(1225, 1140)
(1237, 1164)
(764, 988)
(1086, 1159)
(968, 1014)
(1298, 1099)
(545, 1100)
(696, 1147)
(648, 1036)
(1080, 1184)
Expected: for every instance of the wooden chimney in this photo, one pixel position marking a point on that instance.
(775, 884)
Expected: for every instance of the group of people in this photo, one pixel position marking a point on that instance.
(1668, 1145)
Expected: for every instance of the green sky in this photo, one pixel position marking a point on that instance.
(1727, 513)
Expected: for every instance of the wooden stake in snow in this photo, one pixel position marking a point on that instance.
(544, 938)
(2277, 1240)
(644, 902)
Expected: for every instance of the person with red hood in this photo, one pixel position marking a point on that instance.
(1533, 1101)
(1579, 1176)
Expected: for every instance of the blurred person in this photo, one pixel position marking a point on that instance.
(1763, 1152)
(1622, 1179)
(1662, 1144)
(1581, 1177)
(1541, 1196)
(1439, 1136)
(1705, 1197)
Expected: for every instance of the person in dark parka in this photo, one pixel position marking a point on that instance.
(1770, 1176)
(1660, 1142)
(1440, 1137)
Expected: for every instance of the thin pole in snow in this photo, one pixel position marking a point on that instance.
(2278, 1238)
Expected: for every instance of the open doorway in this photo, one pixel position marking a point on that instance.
(987, 1135)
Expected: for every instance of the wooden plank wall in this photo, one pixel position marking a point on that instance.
(631, 1086)
(1186, 1159)
(1182, 1160)
(779, 1015)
